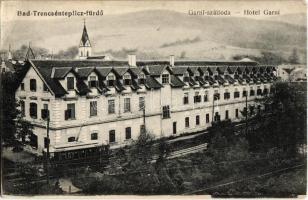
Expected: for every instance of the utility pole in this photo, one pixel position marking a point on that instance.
(246, 114)
(144, 117)
(213, 109)
(47, 156)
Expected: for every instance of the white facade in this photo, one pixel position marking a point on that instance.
(84, 125)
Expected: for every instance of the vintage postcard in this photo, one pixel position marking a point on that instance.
(203, 98)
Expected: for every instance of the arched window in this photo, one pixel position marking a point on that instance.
(87, 53)
(33, 110)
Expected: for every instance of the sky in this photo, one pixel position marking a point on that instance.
(10, 8)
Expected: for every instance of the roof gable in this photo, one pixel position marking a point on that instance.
(53, 84)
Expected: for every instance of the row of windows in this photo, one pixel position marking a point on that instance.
(128, 131)
(236, 94)
(33, 110)
(70, 112)
(112, 135)
(33, 86)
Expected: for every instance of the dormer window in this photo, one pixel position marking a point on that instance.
(165, 78)
(197, 76)
(70, 83)
(93, 81)
(186, 77)
(216, 75)
(141, 79)
(127, 79)
(110, 80)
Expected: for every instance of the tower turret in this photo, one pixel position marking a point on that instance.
(85, 49)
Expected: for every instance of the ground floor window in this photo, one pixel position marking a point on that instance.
(22, 108)
(174, 127)
(142, 129)
(94, 136)
(112, 136)
(33, 141)
(186, 122)
(128, 133)
(207, 119)
(197, 120)
(227, 114)
(216, 117)
(71, 139)
(236, 113)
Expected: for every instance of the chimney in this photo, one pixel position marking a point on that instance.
(171, 60)
(132, 60)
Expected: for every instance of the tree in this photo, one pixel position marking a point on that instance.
(283, 125)
(15, 128)
(294, 59)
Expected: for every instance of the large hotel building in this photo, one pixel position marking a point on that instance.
(93, 102)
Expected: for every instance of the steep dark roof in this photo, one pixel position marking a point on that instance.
(54, 84)
(176, 82)
(119, 86)
(156, 70)
(85, 72)
(84, 37)
(229, 79)
(211, 69)
(232, 69)
(104, 71)
(79, 63)
(60, 73)
(222, 69)
(53, 70)
(135, 85)
(215, 63)
(121, 70)
(179, 70)
(82, 88)
(134, 71)
(152, 83)
(203, 69)
(193, 69)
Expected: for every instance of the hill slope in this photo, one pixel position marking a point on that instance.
(158, 33)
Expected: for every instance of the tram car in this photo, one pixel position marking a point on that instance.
(97, 155)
